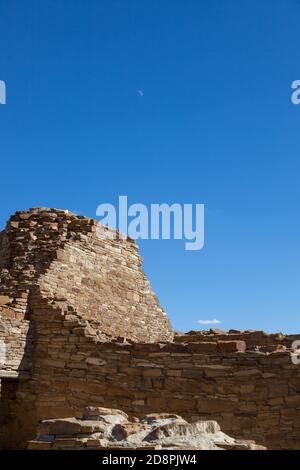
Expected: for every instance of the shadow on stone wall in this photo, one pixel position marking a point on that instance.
(11, 382)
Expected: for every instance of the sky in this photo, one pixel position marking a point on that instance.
(166, 102)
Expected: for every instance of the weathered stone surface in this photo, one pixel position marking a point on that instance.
(60, 426)
(156, 431)
(107, 415)
(154, 418)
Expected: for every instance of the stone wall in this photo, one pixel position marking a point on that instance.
(105, 284)
(81, 327)
(255, 340)
(251, 394)
(69, 258)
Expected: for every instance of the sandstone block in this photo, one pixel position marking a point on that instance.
(60, 426)
(98, 412)
(202, 347)
(214, 406)
(39, 445)
(231, 346)
(152, 373)
(4, 300)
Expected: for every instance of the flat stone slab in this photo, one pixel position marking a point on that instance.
(111, 429)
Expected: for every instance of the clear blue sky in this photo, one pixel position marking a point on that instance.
(215, 126)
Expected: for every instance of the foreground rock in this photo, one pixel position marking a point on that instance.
(110, 428)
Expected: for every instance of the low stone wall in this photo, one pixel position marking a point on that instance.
(252, 395)
(256, 340)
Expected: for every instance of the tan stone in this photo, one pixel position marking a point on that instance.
(39, 445)
(93, 412)
(60, 426)
(247, 388)
(4, 299)
(152, 373)
(231, 346)
(293, 400)
(180, 405)
(214, 406)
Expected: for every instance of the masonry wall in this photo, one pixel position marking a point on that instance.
(74, 259)
(54, 255)
(252, 395)
(105, 283)
(78, 318)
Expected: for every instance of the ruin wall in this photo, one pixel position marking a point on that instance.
(74, 259)
(251, 394)
(80, 326)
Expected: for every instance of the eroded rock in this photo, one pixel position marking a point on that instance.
(110, 428)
